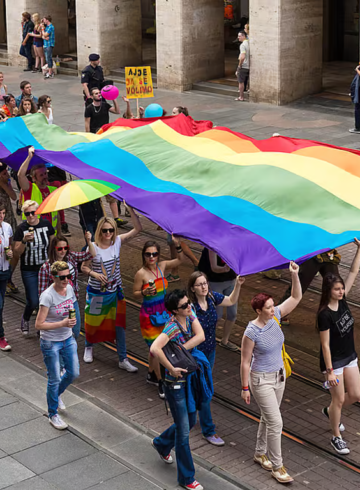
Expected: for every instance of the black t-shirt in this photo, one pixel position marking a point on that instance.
(36, 252)
(92, 76)
(204, 266)
(99, 115)
(341, 326)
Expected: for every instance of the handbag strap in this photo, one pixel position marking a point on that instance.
(162, 277)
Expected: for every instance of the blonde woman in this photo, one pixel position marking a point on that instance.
(105, 316)
(38, 43)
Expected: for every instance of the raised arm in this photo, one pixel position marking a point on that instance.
(171, 264)
(354, 269)
(213, 264)
(247, 347)
(128, 112)
(234, 296)
(116, 108)
(23, 180)
(90, 243)
(296, 293)
(125, 237)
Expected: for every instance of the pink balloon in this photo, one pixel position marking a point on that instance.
(110, 92)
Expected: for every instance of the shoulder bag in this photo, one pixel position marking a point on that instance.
(285, 356)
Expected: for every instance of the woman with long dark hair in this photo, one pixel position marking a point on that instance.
(9, 108)
(150, 286)
(338, 358)
(27, 106)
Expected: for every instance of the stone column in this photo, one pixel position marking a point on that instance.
(111, 28)
(190, 42)
(2, 22)
(58, 11)
(286, 49)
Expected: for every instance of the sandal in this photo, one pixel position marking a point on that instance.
(170, 278)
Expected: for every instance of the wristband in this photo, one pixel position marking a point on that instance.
(329, 370)
(245, 388)
(179, 250)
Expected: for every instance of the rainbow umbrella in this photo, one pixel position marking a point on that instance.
(74, 193)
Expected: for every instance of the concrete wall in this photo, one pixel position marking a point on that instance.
(286, 49)
(111, 28)
(56, 8)
(190, 42)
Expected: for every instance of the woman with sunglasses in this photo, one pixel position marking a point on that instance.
(105, 310)
(44, 106)
(262, 368)
(31, 242)
(184, 328)
(56, 339)
(205, 303)
(150, 286)
(59, 250)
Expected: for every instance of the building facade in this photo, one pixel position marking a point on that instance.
(289, 39)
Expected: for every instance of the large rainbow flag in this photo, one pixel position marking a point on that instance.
(258, 204)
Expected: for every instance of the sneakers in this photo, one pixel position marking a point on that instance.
(230, 346)
(61, 404)
(125, 364)
(195, 485)
(215, 440)
(263, 461)
(325, 412)
(49, 76)
(121, 222)
(152, 379)
(281, 475)
(170, 278)
(354, 130)
(167, 459)
(57, 422)
(161, 390)
(4, 346)
(62, 372)
(65, 229)
(339, 445)
(25, 327)
(88, 355)
(12, 288)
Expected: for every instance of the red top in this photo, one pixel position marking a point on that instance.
(44, 192)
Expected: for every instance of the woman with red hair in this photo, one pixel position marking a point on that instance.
(263, 367)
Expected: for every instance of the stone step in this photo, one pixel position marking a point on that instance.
(4, 62)
(67, 71)
(69, 64)
(70, 55)
(216, 88)
(3, 54)
(3, 46)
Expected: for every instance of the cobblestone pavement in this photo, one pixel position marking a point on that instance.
(131, 397)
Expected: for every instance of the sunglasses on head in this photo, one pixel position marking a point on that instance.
(60, 249)
(29, 213)
(62, 278)
(151, 254)
(107, 230)
(184, 306)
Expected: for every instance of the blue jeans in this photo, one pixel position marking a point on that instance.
(28, 54)
(120, 343)
(205, 417)
(357, 116)
(48, 56)
(57, 385)
(30, 280)
(4, 277)
(178, 434)
(75, 330)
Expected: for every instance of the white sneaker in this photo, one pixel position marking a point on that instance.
(88, 355)
(62, 372)
(57, 422)
(125, 364)
(61, 404)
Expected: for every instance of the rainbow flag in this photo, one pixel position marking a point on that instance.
(103, 312)
(258, 204)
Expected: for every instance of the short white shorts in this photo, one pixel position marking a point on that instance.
(351, 364)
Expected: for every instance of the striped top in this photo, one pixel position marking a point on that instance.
(268, 344)
(107, 262)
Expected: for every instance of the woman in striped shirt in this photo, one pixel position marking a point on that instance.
(262, 365)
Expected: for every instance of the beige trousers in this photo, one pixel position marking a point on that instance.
(268, 390)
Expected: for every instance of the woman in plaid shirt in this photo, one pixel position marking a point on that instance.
(60, 250)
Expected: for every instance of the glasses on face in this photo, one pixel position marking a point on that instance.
(184, 306)
(151, 254)
(202, 285)
(29, 213)
(60, 249)
(107, 230)
(49, 101)
(62, 278)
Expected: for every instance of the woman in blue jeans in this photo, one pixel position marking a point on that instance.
(5, 270)
(205, 303)
(183, 328)
(56, 338)
(31, 242)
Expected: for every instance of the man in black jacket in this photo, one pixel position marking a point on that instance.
(93, 76)
(26, 49)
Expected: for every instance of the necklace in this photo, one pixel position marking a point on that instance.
(97, 111)
(152, 272)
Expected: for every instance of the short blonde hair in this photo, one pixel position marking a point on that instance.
(28, 204)
(98, 233)
(58, 266)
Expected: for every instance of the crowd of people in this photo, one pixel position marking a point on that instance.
(180, 324)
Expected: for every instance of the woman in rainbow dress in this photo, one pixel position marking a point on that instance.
(150, 286)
